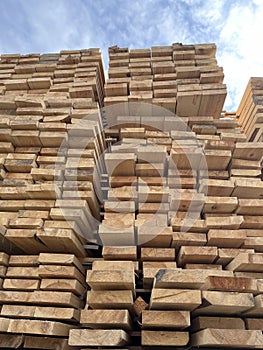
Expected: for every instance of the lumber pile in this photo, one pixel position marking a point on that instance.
(129, 228)
(50, 144)
(40, 299)
(185, 79)
(106, 317)
(249, 112)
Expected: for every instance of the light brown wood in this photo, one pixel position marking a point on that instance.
(224, 303)
(110, 299)
(11, 341)
(151, 268)
(183, 278)
(50, 343)
(191, 254)
(164, 338)
(175, 299)
(41, 312)
(157, 254)
(227, 338)
(247, 262)
(203, 322)
(226, 238)
(111, 280)
(38, 327)
(109, 319)
(165, 319)
(91, 337)
(122, 253)
(233, 284)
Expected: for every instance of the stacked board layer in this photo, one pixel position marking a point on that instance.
(184, 79)
(127, 227)
(249, 113)
(47, 164)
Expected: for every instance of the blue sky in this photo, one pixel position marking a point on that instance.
(235, 26)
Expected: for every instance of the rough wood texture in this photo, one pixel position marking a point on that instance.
(175, 299)
(165, 319)
(224, 303)
(228, 338)
(109, 319)
(164, 338)
(91, 337)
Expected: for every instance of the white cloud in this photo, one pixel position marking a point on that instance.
(49, 26)
(240, 50)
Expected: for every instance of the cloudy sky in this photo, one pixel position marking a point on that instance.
(235, 26)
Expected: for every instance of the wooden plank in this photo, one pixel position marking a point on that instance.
(48, 298)
(248, 150)
(60, 259)
(35, 342)
(218, 188)
(150, 269)
(175, 299)
(165, 319)
(61, 271)
(11, 341)
(254, 323)
(257, 310)
(38, 327)
(250, 207)
(226, 255)
(111, 280)
(62, 240)
(63, 284)
(119, 253)
(232, 338)
(233, 284)
(233, 222)
(4, 259)
(112, 265)
(164, 338)
(182, 278)
(220, 204)
(23, 260)
(91, 337)
(41, 312)
(20, 284)
(157, 254)
(226, 238)
(188, 238)
(120, 164)
(224, 303)
(248, 188)
(192, 254)
(111, 299)
(246, 262)
(109, 319)
(203, 322)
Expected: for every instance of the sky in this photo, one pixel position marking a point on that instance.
(235, 26)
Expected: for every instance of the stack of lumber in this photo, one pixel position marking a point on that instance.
(50, 144)
(106, 319)
(199, 247)
(178, 215)
(249, 112)
(40, 299)
(184, 79)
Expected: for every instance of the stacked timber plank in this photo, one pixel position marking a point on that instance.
(106, 317)
(50, 142)
(249, 113)
(180, 223)
(40, 300)
(185, 79)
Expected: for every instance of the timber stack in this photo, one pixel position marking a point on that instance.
(131, 210)
(249, 113)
